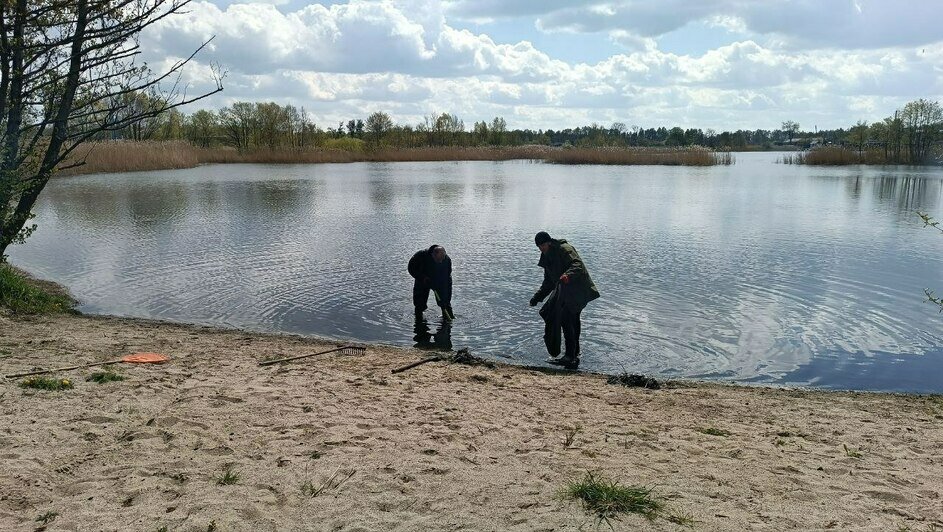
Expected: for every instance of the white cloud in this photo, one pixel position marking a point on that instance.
(800, 23)
(406, 57)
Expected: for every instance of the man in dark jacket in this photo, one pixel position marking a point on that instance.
(570, 287)
(432, 270)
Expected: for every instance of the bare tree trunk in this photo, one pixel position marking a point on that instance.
(60, 128)
(68, 75)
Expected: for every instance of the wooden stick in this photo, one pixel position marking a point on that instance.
(81, 366)
(417, 363)
(270, 362)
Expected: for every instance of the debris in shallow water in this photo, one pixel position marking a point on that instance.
(634, 381)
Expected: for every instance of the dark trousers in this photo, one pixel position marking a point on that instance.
(421, 295)
(559, 319)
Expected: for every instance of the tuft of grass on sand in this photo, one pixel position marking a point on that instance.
(852, 453)
(51, 384)
(339, 477)
(101, 377)
(23, 295)
(230, 477)
(681, 519)
(308, 489)
(47, 518)
(714, 431)
(569, 435)
(608, 498)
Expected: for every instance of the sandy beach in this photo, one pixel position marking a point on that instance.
(339, 443)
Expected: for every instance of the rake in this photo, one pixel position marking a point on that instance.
(446, 311)
(345, 349)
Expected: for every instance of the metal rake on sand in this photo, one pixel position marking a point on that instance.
(344, 350)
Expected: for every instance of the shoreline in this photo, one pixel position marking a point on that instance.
(439, 447)
(677, 382)
(56, 288)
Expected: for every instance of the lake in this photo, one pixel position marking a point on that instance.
(755, 273)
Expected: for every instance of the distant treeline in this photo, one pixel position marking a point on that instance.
(907, 136)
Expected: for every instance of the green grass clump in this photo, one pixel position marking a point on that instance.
(713, 431)
(852, 453)
(308, 489)
(607, 498)
(229, 477)
(22, 295)
(101, 377)
(47, 383)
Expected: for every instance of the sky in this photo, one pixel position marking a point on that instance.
(720, 64)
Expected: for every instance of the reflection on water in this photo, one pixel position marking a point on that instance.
(755, 272)
(440, 340)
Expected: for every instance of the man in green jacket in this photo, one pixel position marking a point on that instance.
(570, 288)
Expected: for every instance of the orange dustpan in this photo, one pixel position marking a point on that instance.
(145, 358)
(136, 358)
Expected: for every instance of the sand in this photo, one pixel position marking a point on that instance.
(439, 447)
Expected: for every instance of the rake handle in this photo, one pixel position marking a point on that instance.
(80, 366)
(270, 362)
(414, 364)
(438, 301)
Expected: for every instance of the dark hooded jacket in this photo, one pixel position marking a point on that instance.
(561, 258)
(422, 266)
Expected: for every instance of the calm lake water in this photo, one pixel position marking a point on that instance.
(758, 272)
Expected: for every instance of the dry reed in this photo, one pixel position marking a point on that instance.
(100, 157)
(126, 156)
(835, 156)
(687, 156)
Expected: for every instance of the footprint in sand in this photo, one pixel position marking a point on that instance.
(887, 496)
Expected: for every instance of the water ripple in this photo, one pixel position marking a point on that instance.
(756, 272)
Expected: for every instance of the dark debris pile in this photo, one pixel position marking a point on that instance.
(634, 381)
(463, 356)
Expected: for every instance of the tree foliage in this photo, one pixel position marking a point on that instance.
(69, 73)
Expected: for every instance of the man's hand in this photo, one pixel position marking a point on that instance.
(533, 301)
(565, 279)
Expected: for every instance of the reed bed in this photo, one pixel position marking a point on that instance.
(461, 154)
(687, 156)
(101, 157)
(835, 156)
(125, 156)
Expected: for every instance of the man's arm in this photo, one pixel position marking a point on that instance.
(414, 266)
(545, 288)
